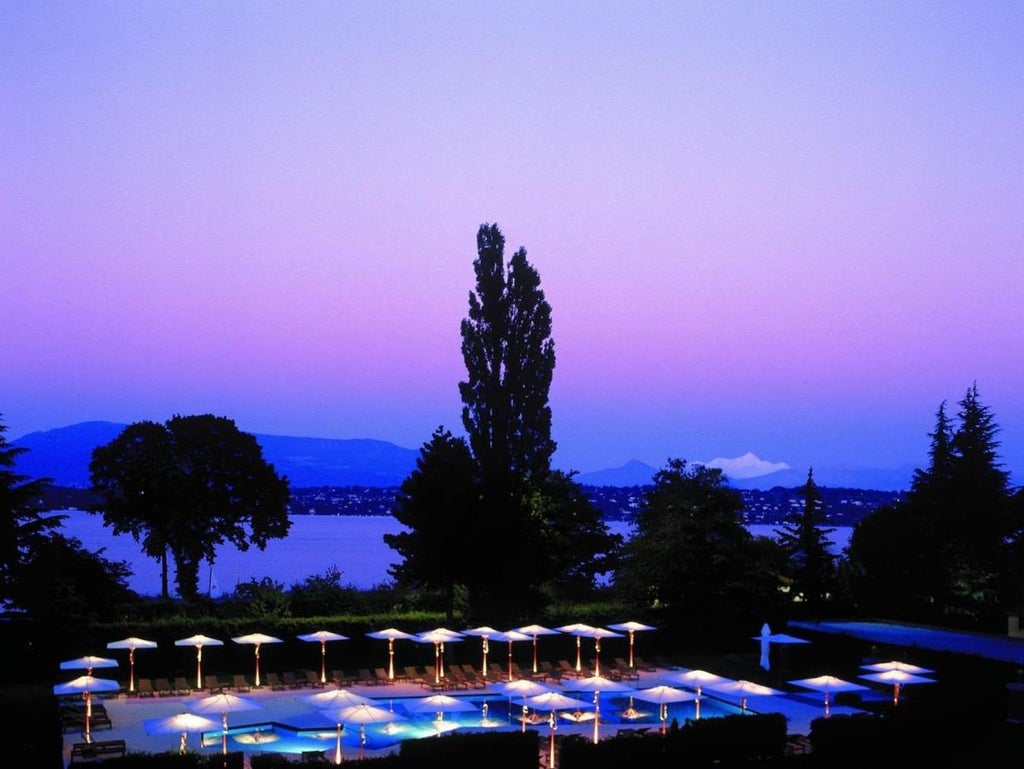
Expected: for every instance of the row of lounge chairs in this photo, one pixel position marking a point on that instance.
(72, 717)
(213, 684)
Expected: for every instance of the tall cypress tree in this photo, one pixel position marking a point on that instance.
(510, 361)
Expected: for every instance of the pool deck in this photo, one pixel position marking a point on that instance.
(129, 714)
(1000, 648)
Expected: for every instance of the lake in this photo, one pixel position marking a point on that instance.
(315, 543)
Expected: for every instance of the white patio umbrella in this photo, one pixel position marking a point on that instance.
(578, 629)
(361, 714)
(131, 644)
(597, 684)
(225, 703)
(552, 701)
(392, 635)
(524, 687)
(662, 695)
(439, 637)
(631, 628)
(199, 641)
(87, 663)
(897, 678)
(828, 684)
(767, 638)
(511, 636)
(257, 640)
(597, 633)
(745, 689)
(86, 685)
(484, 633)
(323, 636)
(440, 704)
(336, 699)
(180, 723)
(696, 679)
(906, 667)
(533, 631)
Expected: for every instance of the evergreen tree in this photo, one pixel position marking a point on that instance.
(24, 528)
(804, 538)
(947, 547)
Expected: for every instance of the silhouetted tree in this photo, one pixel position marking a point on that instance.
(187, 487)
(439, 504)
(691, 551)
(946, 548)
(803, 535)
(24, 528)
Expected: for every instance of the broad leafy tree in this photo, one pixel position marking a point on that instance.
(804, 537)
(691, 551)
(184, 488)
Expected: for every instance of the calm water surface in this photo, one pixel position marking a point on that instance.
(315, 543)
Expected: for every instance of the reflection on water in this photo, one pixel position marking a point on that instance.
(492, 712)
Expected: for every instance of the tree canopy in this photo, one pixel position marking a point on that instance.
(948, 547)
(186, 487)
(24, 528)
(691, 551)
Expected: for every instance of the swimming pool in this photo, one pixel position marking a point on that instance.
(311, 731)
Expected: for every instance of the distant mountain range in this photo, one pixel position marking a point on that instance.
(63, 455)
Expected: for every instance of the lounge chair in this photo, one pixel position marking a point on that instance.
(413, 674)
(290, 680)
(163, 687)
(313, 679)
(382, 676)
(240, 683)
(274, 681)
(342, 678)
(641, 664)
(181, 686)
(144, 687)
(366, 677)
(212, 684)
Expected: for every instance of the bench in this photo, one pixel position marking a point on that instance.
(82, 752)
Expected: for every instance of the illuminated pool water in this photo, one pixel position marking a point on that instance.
(310, 731)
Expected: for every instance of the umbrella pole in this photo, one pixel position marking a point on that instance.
(257, 666)
(510, 661)
(337, 747)
(183, 744)
(597, 655)
(697, 703)
(551, 732)
(224, 733)
(826, 705)
(199, 666)
(631, 648)
(323, 662)
(664, 716)
(597, 716)
(391, 659)
(535, 653)
(362, 739)
(131, 669)
(579, 658)
(485, 657)
(88, 716)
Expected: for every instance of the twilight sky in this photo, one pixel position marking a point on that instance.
(786, 228)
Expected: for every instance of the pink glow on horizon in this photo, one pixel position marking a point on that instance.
(788, 231)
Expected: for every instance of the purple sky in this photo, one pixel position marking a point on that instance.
(791, 229)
